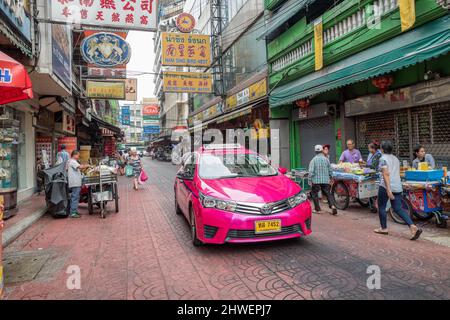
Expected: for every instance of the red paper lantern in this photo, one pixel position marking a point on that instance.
(383, 83)
(303, 103)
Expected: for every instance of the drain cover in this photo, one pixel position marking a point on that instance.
(23, 266)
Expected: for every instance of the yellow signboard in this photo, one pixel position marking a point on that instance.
(187, 82)
(106, 89)
(407, 13)
(254, 92)
(181, 49)
(318, 43)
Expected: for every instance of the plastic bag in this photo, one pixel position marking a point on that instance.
(129, 171)
(143, 177)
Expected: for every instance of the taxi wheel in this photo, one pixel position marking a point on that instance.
(177, 207)
(195, 241)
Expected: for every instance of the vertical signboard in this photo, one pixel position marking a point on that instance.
(126, 116)
(61, 53)
(150, 115)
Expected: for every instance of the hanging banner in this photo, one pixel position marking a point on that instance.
(123, 14)
(126, 116)
(187, 82)
(62, 53)
(181, 49)
(318, 43)
(407, 13)
(105, 90)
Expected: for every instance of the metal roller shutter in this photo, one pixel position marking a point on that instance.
(313, 132)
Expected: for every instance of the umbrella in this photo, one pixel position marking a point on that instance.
(15, 84)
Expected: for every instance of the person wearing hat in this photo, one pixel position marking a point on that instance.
(320, 175)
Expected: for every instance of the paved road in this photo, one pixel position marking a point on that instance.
(144, 252)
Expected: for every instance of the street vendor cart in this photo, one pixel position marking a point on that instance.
(426, 193)
(101, 189)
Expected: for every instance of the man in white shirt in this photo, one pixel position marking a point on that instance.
(75, 182)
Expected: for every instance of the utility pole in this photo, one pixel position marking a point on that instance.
(217, 25)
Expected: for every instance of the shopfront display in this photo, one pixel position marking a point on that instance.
(9, 142)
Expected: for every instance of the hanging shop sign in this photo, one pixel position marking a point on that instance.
(126, 116)
(107, 73)
(318, 43)
(105, 90)
(250, 94)
(123, 14)
(106, 50)
(185, 22)
(68, 124)
(181, 49)
(62, 53)
(407, 13)
(150, 118)
(187, 82)
(131, 89)
(17, 13)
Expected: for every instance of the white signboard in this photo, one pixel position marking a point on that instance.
(123, 14)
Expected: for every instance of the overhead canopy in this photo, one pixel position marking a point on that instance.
(15, 84)
(287, 11)
(418, 45)
(105, 126)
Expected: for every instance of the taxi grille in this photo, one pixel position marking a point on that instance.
(255, 209)
(246, 234)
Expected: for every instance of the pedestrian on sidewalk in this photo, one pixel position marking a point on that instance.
(75, 182)
(373, 162)
(320, 174)
(391, 189)
(62, 156)
(135, 162)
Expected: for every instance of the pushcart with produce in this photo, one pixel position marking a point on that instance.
(351, 182)
(100, 187)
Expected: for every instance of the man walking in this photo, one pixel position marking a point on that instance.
(320, 175)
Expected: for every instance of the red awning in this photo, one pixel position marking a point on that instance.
(15, 84)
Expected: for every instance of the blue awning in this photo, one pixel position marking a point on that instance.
(287, 11)
(415, 46)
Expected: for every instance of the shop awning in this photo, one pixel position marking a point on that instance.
(235, 114)
(106, 127)
(287, 11)
(418, 45)
(15, 84)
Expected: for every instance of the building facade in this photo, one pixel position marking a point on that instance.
(361, 77)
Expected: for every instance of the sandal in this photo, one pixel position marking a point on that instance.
(417, 234)
(380, 231)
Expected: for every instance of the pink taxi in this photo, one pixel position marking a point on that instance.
(230, 194)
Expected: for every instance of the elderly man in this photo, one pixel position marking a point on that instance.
(320, 174)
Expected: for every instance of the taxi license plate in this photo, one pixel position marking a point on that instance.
(267, 226)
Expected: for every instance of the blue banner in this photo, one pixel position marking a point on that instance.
(61, 55)
(152, 130)
(126, 116)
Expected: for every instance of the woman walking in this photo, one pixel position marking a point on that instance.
(391, 189)
(135, 162)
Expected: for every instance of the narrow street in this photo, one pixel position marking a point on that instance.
(145, 252)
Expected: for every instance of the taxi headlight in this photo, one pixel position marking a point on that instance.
(210, 202)
(297, 200)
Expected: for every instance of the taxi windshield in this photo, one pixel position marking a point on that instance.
(233, 166)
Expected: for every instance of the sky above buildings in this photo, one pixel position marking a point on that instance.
(142, 60)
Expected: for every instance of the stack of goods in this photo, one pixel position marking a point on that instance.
(94, 171)
(352, 171)
(85, 154)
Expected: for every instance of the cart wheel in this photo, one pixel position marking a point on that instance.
(363, 202)
(423, 215)
(341, 195)
(116, 197)
(441, 223)
(90, 204)
(406, 205)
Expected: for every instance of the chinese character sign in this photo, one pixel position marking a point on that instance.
(126, 14)
(179, 49)
(187, 82)
(105, 90)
